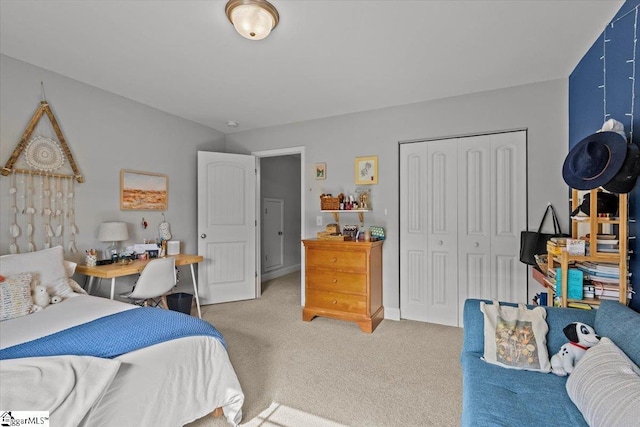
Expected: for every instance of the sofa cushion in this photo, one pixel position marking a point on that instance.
(605, 386)
(15, 296)
(621, 324)
(48, 264)
(495, 396)
(515, 337)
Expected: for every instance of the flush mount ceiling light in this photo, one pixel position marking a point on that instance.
(253, 19)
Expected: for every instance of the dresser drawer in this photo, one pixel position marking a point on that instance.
(356, 304)
(336, 281)
(336, 259)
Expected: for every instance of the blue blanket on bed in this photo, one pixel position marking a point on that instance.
(116, 334)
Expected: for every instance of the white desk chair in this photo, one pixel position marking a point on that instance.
(155, 281)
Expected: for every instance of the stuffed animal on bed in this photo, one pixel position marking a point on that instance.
(581, 338)
(41, 298)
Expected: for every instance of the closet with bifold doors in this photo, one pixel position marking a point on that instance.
(462, 207)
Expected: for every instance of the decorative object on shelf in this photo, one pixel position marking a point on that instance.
(595, 160)
(144, 224)
(143, 191)
(364, 198)
(535, 242)
(328, 202)
(366, 170)
(114, 232)
(252, 19)
(321, 171)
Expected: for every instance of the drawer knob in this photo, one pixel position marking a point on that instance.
(335, 280)
(335, 301)
(334, 260)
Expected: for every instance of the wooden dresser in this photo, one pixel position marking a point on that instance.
(344, 281)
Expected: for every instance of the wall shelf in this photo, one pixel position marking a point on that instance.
(336, 213)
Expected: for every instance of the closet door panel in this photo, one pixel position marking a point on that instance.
(474, 218)
(442, 232)
(509, 202)
(413, 231)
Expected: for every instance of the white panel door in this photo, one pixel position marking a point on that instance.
(509, 215)
(474, 220)
(413, 231)
(226, 227)
(442, 232)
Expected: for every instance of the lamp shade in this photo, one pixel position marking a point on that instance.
(113, 232)
(253, 19)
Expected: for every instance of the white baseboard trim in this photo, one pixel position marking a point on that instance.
(392, 313)
(280, 272)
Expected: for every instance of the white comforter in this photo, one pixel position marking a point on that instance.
(168, 384)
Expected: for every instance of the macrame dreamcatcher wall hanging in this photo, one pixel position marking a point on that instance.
(42, 189)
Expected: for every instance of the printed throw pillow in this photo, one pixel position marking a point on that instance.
(605, 386)
(15, 296)
(47, 266)
(516, 337)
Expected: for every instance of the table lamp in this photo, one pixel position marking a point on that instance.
(113, 232)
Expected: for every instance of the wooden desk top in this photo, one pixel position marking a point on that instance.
(110, 271)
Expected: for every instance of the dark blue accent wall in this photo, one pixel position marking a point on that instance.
(602, 87)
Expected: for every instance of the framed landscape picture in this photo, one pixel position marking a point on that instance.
(143, 191)
(366, 170)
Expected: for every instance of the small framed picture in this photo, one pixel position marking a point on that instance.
(366, 170)
(321, 171)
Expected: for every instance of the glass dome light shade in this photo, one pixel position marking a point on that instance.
(252, 19)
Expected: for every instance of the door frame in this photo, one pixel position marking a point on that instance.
(275, 153)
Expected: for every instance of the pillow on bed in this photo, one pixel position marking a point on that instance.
(15, 296)
(47, 265)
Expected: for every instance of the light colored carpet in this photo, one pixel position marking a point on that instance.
(404, 374)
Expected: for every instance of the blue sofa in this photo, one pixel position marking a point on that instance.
(497, 396)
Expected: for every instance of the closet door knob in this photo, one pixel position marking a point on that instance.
(440, 242)
(477, 244)
(203, 236)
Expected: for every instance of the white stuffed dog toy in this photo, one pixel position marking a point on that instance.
(581, 338)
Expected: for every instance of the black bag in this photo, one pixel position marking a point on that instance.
(535, 242)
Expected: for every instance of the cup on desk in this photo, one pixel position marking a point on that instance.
(90, 260)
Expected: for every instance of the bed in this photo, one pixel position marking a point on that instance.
(169, 383)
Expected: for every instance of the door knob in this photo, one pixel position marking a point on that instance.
(440, 242)
(203, 236)
(477, 244)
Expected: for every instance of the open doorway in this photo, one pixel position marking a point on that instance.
(280, 216)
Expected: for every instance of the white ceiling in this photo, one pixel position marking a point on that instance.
(325, 58)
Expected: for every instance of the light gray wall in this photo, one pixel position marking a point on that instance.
(540, 108)
(280, 179)
(106, 133)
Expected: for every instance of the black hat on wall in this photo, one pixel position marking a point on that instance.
(595, 160)
(625, 179)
